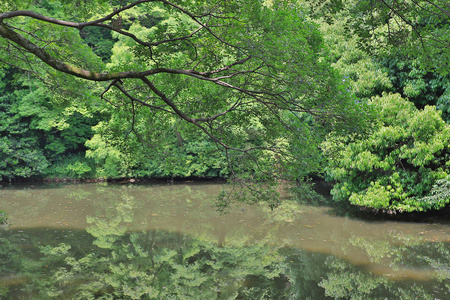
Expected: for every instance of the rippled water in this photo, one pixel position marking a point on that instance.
(104, 241)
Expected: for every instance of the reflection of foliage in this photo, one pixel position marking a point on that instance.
(392, 251)
(347, 283)
(160, 266)
(399, 256)
(406, 251)
(108, 230)
(116, 260)
(8, 254)
(344, 281)
(3, 218)
(305, 270)
(153, 264)
(440, 261)
(10, 261)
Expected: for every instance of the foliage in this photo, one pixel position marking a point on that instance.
(394, 71)
(396, 166)
(440, 193)
(36, 129)
(363, 75)
(3, 218)
(173, 151)
(100, 40)
(416, 28)
(370, 74)
(20, 154)
(248, 78)
(413, 82)
(71, 167)
(240, 89)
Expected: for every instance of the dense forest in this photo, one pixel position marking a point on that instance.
(258, 92)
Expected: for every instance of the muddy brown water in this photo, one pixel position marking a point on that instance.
(158, 241)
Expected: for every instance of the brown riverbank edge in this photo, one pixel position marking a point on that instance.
(131, 180)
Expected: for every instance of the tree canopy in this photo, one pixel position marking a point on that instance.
(413, 27)
(249, 76)
(247, 90)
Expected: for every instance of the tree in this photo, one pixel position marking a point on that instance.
(396, 167)
(20, 154)
(414, 27)
(249, 76)
(401, 166)
(38, 133)
(395, 71)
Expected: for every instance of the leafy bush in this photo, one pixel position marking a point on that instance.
(420, 87)
(71, 166)
(402, 165)
(20, 153)
(118, 156)
(37, 132)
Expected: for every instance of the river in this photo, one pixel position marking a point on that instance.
(167, 241)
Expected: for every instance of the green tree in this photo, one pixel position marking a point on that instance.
(375, 65)
(403, 165)
(415, 28)
(249, 76)
(20, 151)
(413, 82)
(38, 131)
(364, 76)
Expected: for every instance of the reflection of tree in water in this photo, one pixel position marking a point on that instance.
(161, 265)
(9, 260)
(304, 270)
(409, 264)
(119, 264)
(344, 281)
(116, 260)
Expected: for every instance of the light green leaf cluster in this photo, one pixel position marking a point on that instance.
(360, 72)
(349, 285)
(397, 164)
(172, 153)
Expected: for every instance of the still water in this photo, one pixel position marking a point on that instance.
(104, 241)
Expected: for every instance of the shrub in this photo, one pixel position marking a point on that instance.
(402, 165)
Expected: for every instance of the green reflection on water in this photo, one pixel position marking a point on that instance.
(166, 242)
(141, 265)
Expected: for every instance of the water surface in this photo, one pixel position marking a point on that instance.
(104, 241)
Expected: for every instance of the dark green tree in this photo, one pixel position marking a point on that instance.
(38, 131)
(20, 151)
(416, 28)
